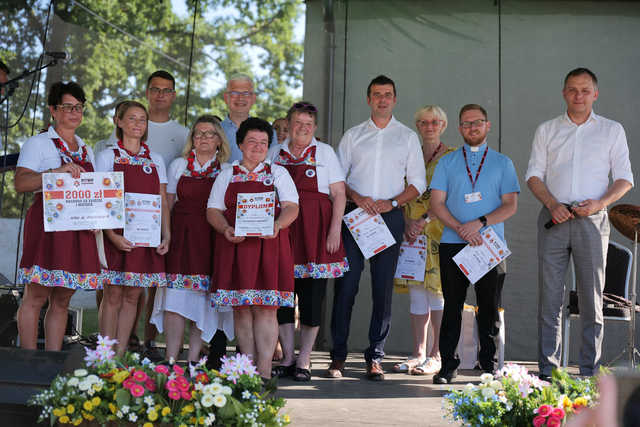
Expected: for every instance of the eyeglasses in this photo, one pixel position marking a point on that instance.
(67, 108)
(164, 91)
(305, 106)
(209, 134)
(238, 93)
(474, 124)
(425, 123)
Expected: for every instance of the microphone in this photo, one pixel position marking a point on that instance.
(550, 223)
(60, 56)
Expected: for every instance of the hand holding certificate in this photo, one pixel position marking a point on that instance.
(255, 214)
(369, 231)
(144, 219)
(412, 260)
(476, 261)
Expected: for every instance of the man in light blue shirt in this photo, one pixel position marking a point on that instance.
(472, 188)
(239, 97)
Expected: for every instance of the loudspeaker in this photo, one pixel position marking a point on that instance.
(24, 373)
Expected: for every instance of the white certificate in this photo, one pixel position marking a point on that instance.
(369, 231)
(144, 219)
(93, 201)
(412, 260)
(255, 214)
(476, 261)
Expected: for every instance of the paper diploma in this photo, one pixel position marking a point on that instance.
(93, 201)
(369, 231)
(412, 260)
(476, 261)
(144, 218)
(255, 214)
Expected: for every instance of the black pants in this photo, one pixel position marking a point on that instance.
(488, 297)
(311, 293)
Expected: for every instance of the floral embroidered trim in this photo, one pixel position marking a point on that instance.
(285, 159)
(142, 152)
(321, 271)
(212, 171)
(223, 297)
(196, 282)
(138, 280)
(64, 152)
(61, 278)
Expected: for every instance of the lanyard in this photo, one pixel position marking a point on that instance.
(434, 154)
(484, 156)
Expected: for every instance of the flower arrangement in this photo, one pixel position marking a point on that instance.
(129, 390)
(514, 397)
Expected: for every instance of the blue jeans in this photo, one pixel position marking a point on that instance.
(383, 268)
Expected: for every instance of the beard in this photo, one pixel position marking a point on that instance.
(475, 139)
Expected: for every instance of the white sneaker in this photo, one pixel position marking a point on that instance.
(428, 367)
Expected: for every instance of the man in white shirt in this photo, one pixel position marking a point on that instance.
(571, 159)
(239, 97)
(166, 137)
(377, 156)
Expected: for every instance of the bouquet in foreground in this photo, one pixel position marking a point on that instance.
(129, 390)
(513, 397)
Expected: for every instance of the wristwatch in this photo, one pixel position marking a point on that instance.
(394, 203)
(483, 220)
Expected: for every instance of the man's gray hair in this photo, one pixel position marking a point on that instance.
(240, 77)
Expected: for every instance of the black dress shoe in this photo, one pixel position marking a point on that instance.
(544, 377)
(445, 377)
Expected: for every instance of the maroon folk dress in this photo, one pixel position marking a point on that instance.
(255, 271)
(66, 259)
(142, 267)
(189, 260)
(310, 229)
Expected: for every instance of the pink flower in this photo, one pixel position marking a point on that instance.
(172, 385)
(544, 410)
(539, 421)
(557, 413)
(150, 385)
(136, 390)
(162, 369)
(140, 376)
(554, 422)
(174, 395)
(178, 370)
(126, 384)
(183, 384)
(186, 395)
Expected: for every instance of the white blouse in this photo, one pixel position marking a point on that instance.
(39, 153)
(105, 159)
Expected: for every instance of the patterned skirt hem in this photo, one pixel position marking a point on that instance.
(138, 280)
(195, 282)
(58, 278)
(248, 297)
(321, 271)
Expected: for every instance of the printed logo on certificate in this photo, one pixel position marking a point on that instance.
(93, 201)
(144, 218)
(476, 261)
(412, 260)
(369, 231)
(255, 214)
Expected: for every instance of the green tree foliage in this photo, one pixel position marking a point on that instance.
(115, 45)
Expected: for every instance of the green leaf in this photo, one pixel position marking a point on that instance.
(123, 397)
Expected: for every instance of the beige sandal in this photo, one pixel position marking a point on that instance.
(429, 367)
(406, 366)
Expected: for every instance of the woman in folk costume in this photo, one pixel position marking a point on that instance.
(254, 275)
(132, 268)
(54, 264)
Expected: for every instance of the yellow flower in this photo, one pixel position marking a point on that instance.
(70, 409)
(121, 376)
(95, 401)
(153, 415)
(188, 409)
(580, 401)
(193, 420)
(113, 408)
(286, 418)
(201, 420)
(64, 419)
(182, 425)
(77, 421)
(147, 425)
(165, 411)
(566, 402)
(87, 405)
(87, 416)
(58, 412)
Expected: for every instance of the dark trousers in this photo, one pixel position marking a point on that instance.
(488, 297)
(382, 267)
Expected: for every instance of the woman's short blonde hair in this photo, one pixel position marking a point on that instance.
(436, 111)
(224, 150)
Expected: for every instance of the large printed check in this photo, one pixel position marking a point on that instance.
(93, 201)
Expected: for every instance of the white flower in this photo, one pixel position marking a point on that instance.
(198, 386)
(172, 361)
(119, 414)
(80, 372)
(214, 388)
(219, 400)
(486, 377)
(469, 387)
(125, 409)
(246, 395)
(133, 417)
(93, 379)
(226, 390)
(73, 382)
(488, 392)
(91, 391)
(496, 385)
(84, 385)
(209, 420)
(135, 356)
(208, 400)
(148, 400)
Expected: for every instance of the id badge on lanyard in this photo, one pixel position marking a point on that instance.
(474, 196)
